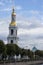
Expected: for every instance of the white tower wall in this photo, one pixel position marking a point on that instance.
(12, 37)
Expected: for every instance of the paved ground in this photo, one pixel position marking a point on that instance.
(24, 63)
(15, 63)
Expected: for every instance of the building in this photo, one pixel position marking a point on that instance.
(12, 37)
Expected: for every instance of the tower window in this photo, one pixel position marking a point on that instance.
(11, 31)
(11, 41)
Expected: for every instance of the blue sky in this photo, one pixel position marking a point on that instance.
(29, 19)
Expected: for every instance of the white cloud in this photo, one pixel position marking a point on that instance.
(35, 31)
(34, 12)
(30, 29)
(9, 8)
(18, 7)
(6, 9)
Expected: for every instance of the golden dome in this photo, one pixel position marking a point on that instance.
(13, 23)
(14, 14)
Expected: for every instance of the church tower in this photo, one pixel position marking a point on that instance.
(12, 37)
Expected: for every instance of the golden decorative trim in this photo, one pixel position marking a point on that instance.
(13, 23)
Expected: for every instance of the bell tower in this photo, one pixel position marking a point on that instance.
(12, 37)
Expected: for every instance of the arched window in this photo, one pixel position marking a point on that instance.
(11, 41)
(11, 31)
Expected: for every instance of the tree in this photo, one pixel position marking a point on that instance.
(2, 49)
(39, 53)
(17, 49)
(12, 49)
(23, 52)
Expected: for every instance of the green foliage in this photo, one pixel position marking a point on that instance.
(2, 47)
(30, 54)
(12, 49)
(22, 52)
(39, 53)
(17, 49)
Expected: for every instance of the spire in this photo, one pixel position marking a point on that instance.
(13, 12)
(13, 16)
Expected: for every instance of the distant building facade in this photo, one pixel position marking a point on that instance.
(12, 37)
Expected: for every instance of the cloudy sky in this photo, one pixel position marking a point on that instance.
(29, 18)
